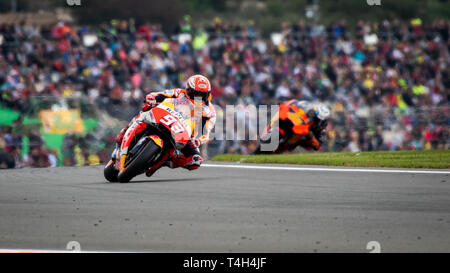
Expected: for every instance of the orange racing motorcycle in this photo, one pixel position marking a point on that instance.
(152, 139)
(297, 123)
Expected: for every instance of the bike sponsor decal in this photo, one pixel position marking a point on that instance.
(174, 124)
(169, 119)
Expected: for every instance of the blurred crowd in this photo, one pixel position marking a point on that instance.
(386, 82)
(19, 149)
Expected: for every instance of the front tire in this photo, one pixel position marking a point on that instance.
(140, 162)
(110, 172)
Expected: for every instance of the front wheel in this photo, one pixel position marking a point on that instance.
(110, 172)
(139, 162)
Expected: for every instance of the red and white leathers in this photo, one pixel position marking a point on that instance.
(190, 157)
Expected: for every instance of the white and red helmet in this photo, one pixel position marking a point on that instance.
(198, 86)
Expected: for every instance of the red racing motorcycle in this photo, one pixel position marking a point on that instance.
(152, 139)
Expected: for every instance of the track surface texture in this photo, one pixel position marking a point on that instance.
(220, 209)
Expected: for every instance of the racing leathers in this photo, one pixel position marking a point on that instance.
(189, 156)
(297, 124)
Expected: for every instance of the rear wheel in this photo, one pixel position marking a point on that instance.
(139, 162)
(110, 172)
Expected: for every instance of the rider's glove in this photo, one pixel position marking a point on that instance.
(150, 102)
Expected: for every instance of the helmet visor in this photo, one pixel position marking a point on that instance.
(192, 94)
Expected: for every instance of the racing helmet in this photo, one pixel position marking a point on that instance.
(319, 114)
(198, 86)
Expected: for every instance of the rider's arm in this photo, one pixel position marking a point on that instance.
(153, 98)
(162, 95)
(209, 125)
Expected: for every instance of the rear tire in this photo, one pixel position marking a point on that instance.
(110, 172)
(140, 162)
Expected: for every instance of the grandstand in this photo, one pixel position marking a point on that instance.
(386, 81)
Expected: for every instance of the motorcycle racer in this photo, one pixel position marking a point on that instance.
(197, 87)
(297, 123)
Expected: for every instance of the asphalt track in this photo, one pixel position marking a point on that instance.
(225, 209)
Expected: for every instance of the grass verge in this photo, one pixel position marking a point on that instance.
(439, 159)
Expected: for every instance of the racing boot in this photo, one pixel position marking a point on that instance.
(115, 153)
(118, 139)
(195, 163)
(191, 162)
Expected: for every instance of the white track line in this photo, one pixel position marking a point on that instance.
(36, 251)
(55, 251)
(262, 167)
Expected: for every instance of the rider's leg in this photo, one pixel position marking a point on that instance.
(119, 139)
(189, 159)
(120, 136)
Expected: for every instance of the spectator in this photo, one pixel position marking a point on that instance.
(379, 78)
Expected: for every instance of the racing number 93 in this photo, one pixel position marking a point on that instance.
(168, 120)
